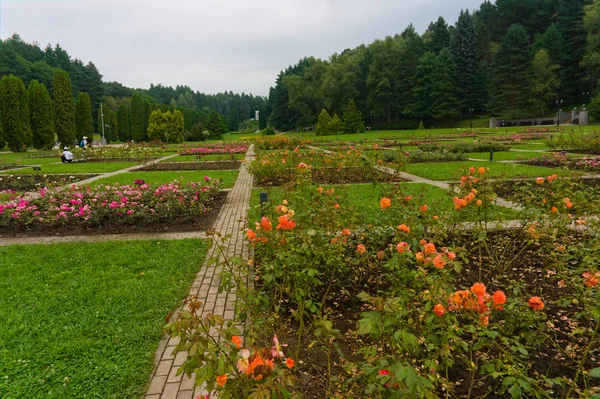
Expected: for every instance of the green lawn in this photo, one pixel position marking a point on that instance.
(27, 159)
(366, 197)
(506, 155)
(211, 157)
(531, 146)
(227, 176)
(453, 170)
(81, 320)
(84, 167)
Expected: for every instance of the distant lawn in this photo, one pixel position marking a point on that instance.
(26, 159)
(227, 176)
(453, 170)
(84, 167)
(530, 147)
(84, 320)
(506, 155)
(366, 197)
(211, 157)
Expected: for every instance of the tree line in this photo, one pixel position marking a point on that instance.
(508, 58)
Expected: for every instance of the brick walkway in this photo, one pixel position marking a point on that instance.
(165, 384)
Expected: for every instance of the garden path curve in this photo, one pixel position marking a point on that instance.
(231, 221)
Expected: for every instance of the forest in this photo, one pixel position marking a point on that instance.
(509, 58)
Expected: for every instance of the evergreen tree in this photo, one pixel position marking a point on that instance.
(233, 124)
(139, 118)
(124, 122)
(15, 113)
(215, 125)
(445, 102)
(111, 124)
(41, 115)
(437, 36)
(83, 117)
(64, 111)
(543, 82)
(2, 140)
(464, 53)
(591, 59)
(323, 123)
(412, 51)
(166, 126)
(424, 93)
(511, 80)
(353, 122)
(335, 125)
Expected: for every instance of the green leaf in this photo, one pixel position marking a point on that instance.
(595, 373)
(515, 391)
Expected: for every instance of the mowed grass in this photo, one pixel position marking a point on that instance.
(84, 320)
(23, 159)
(454, 170)
(84, 167)
(228, 177)
(211, 157)
(506, 155)
(366, 197)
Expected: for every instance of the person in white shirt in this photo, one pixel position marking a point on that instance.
(66, 156)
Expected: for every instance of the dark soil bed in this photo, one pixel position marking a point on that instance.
(513, 261)
(212, 165)
(14, 166)
(27, 182)
(166, 225)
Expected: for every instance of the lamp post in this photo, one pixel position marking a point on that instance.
(471, 113)
(102, 116)
(558, 104)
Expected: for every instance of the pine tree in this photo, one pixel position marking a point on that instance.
(139, 118)
(445, 102)
(15, 113)
(64, 111)
(335, 125)
(2, 141)
(353, 122)
(437, 36)
(41, 116)
(214, 125)
(510, 80)
(464, 52)
(83, 117)
(323, 123)
(124, 122)
(424, 93)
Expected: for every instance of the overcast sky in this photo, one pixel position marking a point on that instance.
(213, 45)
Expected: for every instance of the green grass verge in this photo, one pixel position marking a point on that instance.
(84, 167)
(366, 197)
(453, 170)
(531, 146)
(227, 176)
(506, 155)
(80, 320)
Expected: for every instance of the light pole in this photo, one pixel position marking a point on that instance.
(558, 104)
(471, 113)
(102, 116)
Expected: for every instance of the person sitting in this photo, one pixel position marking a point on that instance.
(83, 143)
(66, 156)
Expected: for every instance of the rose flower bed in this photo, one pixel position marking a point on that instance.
(110, 207)
(281, 167)
(27, 182)
(413, 307)
(226, 148)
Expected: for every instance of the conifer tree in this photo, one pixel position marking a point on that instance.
(124, 122)
(214, 125)
(83, 117)
(445, 102)
(335, 125)
(64, 110)
(464, 52)
(544, 83)
(353, 122)
(41, 115)
(139, 118)
(15, 113)
(323, 124)
(2, 141)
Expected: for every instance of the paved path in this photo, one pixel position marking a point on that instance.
(231, 221)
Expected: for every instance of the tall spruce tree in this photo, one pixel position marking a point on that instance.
(323, 123)
(2, 141)
(139, 118)
(64, 110)
(214, 125)
(510, 81)
(445, 103)
(41, 115)
(83, 117)
(464, 53)
(124, 122)
(15, 113)
(353, 122)
(437, 36)
(423, 97)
